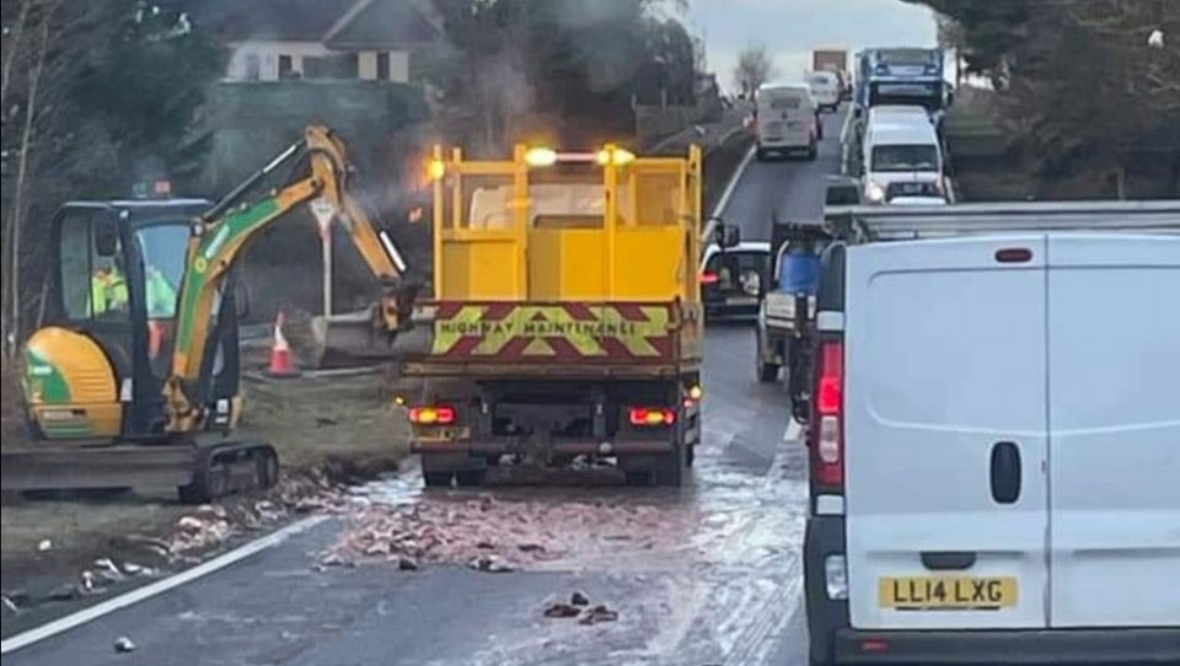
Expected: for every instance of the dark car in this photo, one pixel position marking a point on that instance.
(733, 281)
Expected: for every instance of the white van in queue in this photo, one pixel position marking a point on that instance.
(786, 120)
(994, 456)
(901, 154)
(825, 88)
(886, 112)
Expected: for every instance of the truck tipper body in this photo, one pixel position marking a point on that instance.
(566, 316)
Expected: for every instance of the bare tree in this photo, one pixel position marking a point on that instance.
(34, 58)
(755, 66)
(11, 49)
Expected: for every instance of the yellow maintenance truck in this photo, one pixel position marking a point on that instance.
(566, 316)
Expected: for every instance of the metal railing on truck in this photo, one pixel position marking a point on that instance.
(549, 226)
(864, 224)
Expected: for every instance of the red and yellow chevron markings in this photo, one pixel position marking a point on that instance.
(566, 331)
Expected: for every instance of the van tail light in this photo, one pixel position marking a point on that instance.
(709, 277)
(828, 451)
(651, 417)
(432, 415)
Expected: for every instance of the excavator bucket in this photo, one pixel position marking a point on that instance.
(352, 339)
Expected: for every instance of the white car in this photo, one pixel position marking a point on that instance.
(994, 437)
(732, 281)
(825, 88)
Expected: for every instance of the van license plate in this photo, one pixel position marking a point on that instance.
(947, 593)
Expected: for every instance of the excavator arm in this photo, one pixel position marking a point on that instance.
(219, 236)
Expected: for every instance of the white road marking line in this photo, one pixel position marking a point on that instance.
(147, 591)
(793, 431)
(731, 187)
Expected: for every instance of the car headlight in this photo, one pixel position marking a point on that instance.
(874, 193)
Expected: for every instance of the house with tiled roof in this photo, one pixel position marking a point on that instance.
(374, 40)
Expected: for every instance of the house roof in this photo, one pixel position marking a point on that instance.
(377, 23)
(284, 20)
(343, 24)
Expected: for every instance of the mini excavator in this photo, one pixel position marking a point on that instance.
(132, 378)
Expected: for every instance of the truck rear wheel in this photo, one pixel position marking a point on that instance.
(437, 479)
(669, 471)
(470, 478)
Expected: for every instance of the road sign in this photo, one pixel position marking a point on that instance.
(324, 211)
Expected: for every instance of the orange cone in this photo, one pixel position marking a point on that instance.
(280, 353)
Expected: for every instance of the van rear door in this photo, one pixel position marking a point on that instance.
(1114, 438)
(786, 116)
(945, 435)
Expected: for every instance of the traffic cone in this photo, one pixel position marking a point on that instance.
(280, 353)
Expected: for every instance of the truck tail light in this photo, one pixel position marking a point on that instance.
(828, 452)
(432, 415)
(709, 277)
(651, 417)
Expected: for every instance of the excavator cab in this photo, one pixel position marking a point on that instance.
(96, 368)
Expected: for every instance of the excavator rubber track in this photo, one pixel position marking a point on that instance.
(229, 468)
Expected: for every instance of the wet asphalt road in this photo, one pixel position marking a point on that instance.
(726, 591)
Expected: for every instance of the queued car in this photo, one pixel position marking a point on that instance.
(732, 280)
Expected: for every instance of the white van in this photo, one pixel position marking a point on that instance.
(994, 438)
(897, 111)
(899, 150)
(825, 88)
(786, 120)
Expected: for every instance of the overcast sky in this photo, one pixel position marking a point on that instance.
(791, 28)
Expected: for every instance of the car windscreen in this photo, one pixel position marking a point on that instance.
(904, 157)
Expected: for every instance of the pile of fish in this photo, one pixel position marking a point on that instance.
(495, 536)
